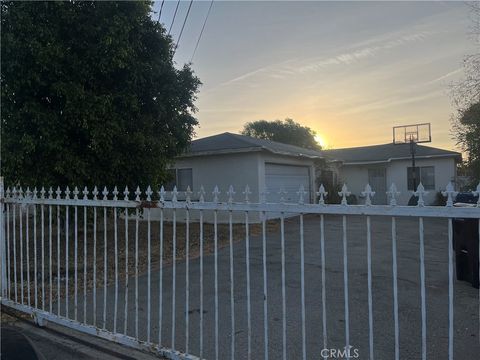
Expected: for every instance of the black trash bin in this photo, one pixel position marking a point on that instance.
(466, 242)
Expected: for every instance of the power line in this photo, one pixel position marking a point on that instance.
(183, 26)
(160, 12)
(174, 15)
(201, 32)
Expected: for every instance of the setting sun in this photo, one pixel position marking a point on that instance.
(320, 140)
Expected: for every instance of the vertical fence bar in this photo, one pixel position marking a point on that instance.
(66, 258)
(58, 258)
(395, 288)
(125, 321)
(35, 277)
(160, 285)
(345, 282)
(50, 278)
(75, 260)
(302, 286)
(105, 270)
(149, 275)
(85, 264)
(247, 260)
(3, 239)
(422, 289)
(115, 250)
(14, 230)
(8, 254)
(284, 295)
(265, 288)
(370, 300)
(232, 287)
(42, 219)
(20, 238)
(201, 285)
(174, 273)
(28, 254)
(136, 273)
(94, 266)
(450, 289)
(215, 245)
(187, 279)
(324, 295)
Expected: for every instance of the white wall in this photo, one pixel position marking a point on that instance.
(356, 177)
(445, 171)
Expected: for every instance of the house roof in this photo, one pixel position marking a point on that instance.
(386, 153)
(227, 143)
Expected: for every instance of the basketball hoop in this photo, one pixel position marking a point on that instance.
(412, 134)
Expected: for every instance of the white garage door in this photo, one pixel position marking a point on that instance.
(288, 178)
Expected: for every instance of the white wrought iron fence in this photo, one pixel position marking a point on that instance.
(99, 264)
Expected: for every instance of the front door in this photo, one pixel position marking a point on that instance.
(377, 180)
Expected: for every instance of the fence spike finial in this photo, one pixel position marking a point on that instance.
(95, 193)
(247, 193)
(188, 195)
(115, 193)
(301, 194)
(8, 192)
(322, 194)
(263, 196)
(125, 193)
(393, 193)
(174, 194)
(75, 193)
(201, 194)
(368, 193)
(85, 193)
(477, 193)
(162, 193)
(138, 192)
(449, 193)
(50, 193)
(58, 192)
(215, 194)
(344, 193)
(42, 193)
(67, 193)
(149, 193)
(282, 194)
(28, 193)
(420, 193)
(105, 193)
(231, 194)
(20, 193)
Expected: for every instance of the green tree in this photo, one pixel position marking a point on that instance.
(467, 133)
(287, 132)
(91, 95)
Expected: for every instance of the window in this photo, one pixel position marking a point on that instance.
(182, 178)
(424, 174)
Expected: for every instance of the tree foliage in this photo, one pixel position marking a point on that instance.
(91, 94)
(287, 132)
(466, 99)
(467, 133)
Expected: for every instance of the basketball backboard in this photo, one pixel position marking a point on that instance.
(416, 133)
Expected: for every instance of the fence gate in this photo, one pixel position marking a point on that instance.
(215, 276)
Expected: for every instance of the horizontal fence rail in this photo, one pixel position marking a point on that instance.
(223, 276)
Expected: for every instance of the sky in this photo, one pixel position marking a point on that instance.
(348, 70)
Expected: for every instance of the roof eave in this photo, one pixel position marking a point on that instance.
(455, 155)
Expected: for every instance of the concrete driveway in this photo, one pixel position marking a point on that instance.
(436, 258)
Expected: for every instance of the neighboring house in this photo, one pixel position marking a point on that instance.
(382, 165)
